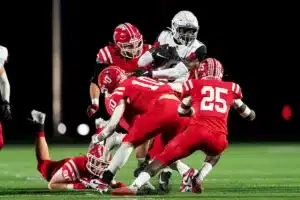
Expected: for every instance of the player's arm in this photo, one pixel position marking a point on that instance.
(239, 105)
(185, 108)
(117, 103)
(199, 55)
(173, 73)
(244, 110)
(4, 85)
(101, 62)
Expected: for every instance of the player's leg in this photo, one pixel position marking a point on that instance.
(176, 149)
(41, 146)
(141, 153)
(216, 144)
(1, 137)
(143, 129)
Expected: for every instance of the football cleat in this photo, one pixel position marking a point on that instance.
(124, 191)
(196, 185)
(186, 184)
(164, 179)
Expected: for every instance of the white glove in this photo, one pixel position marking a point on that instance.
(3, 55)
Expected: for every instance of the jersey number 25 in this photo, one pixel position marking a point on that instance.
(213, 100)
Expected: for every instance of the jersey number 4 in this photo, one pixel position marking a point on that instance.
(213, 100)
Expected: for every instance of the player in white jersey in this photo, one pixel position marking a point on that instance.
(176, 51)
(5, 112)
(182, 36)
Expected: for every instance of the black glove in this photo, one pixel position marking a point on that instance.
(163, 54)
(5, 111)
(143, 72)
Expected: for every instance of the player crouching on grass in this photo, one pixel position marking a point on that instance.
(76, 173)
(207, 129)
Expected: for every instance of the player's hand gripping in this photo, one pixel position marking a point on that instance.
(5, 111)
(92, 109)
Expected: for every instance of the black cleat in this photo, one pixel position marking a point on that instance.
(141, 168)
(164, 179)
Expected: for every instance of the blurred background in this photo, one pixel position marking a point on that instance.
(257, 44)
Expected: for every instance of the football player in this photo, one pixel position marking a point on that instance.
(76, 173)
(145, 97)
(128, 46)
(5, 92)
(208, 128)
(181, 38)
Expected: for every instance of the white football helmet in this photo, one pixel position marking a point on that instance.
(185, 27)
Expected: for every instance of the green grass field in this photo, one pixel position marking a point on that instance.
(264, 171)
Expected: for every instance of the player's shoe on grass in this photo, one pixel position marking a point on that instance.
(117, 185)
(96, 184)
(196, 184)
(186, 184)
(38, 117)
(164, 180)
(124, 191)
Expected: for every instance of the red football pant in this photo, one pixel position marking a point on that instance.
(161, 118)
(194, 138)
(1, 137)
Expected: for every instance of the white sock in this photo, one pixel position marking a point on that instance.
(203, 172)
(140, 161)
(181, 167)
(120, 158)
(167, 169)
(143, 178)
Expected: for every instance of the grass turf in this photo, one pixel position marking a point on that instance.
(246, 171)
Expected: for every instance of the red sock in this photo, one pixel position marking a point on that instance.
(41, 134)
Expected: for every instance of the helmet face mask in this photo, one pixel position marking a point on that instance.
(97, 161)
(131, 49)
(129, 40)
(185, 27)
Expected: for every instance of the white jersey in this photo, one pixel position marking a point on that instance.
(3, 55)
(183, 51)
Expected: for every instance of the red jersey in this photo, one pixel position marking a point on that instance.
(213, 99)
(71, 168)
(111, 55)
(128, 117)
(139, 92)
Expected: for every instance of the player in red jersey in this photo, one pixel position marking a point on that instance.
(128, 46)
(207, 129)
(5, 111)
(156, 104)
(76, 173)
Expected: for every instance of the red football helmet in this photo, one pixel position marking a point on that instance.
(98, 159)
(129, 39)
(110, 78)
(209, 68)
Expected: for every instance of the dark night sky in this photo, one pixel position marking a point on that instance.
(255, 42)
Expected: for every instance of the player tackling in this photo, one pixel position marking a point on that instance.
(207, 128)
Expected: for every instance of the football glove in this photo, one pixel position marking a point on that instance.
(5, 111)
